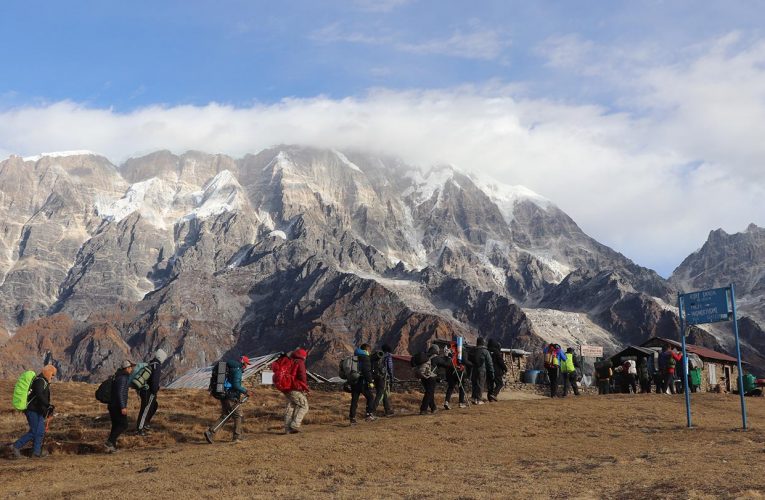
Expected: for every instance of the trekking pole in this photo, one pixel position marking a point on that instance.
(240, 403)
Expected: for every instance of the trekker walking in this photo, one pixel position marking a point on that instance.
(118, 404)
(604, 374)
(382, 371)
(568, 371)
(423, 369)
(554, 356)
(297, 401)
(661, 376)
(230, 403)
(495, 383)
(38, 410)
(456, 377)
(483, 369)
(363, 385)
(147, 392)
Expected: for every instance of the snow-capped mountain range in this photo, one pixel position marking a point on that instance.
(207, 255)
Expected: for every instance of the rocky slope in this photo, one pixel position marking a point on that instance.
(208, 256)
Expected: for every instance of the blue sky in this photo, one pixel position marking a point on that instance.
(652, 108)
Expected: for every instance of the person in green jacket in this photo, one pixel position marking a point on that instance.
(568, 372)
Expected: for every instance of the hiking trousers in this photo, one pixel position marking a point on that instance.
(604, 386)
(148, 408)
(297, 407)
(119, 424)
(226, 406)
(479, 376)
(383, 394)
(452, 382)
(570, 379)
(36, 432)
(495, 384)
(669, 383)
(552, 374)
(361, 387)
(429, 398)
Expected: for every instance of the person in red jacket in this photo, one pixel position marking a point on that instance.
(673, 358)
(297, 402)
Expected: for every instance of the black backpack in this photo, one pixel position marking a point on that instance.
(420, 359)
(218, 378)
(104, 391)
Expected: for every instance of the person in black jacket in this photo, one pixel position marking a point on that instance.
(38, 409)
(495, 383)
(382, 371)
(363, 385)
(148, 393)
(118, 404)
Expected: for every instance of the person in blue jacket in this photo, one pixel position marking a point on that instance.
(118, 404)
(234, 391)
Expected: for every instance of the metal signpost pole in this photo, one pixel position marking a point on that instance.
(738, 357)
(685, 361)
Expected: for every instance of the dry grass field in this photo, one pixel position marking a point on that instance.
(617, 446)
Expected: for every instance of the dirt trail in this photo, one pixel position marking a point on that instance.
(617, 446)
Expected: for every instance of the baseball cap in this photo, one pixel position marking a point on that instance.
(127, 364)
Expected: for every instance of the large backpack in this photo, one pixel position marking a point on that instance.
(349, 369)
(420, 359)
(104, 391)
(219, 384)
(22, 389)
(139, 377)
(285, 370)
(378, 365)
(550, 358)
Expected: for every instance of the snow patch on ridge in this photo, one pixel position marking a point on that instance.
(427, 184)
(348, 163)
(60, 154)
(222, 193)
(151, 197)
(570, 329)
(506, 197)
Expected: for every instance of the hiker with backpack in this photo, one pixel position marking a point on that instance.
(457, 375)
(37, 409)
(295, 390)
(118, 402)
(604, 373)
(554, 356)
(568, 371)
(362, 382)
(483, 370)
(230, 405)
(145, 380)
(495, 383)
(423, 370)
(672, 358)
(382, 372)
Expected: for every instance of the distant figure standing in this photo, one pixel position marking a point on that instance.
(630, 374)
(495, 384)
(661, 376)
(643, 376)
(118, 404)
(604, 373)
(672, 359)
(483, 369)
(568, 370)
(554, 356)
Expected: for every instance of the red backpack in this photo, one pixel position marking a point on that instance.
(284, 370)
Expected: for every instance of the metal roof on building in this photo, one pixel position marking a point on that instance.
(702, 352)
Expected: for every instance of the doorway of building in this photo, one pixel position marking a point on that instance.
(727, 379)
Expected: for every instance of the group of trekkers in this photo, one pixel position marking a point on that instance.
(34, 399)
(484, 369)
(368, 371)
(626, 377)
(561, 365)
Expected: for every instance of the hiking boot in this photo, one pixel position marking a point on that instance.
(209, 436)
(389, 414)
(492, 399)
(370, 418)
(142, 433)
(43, 454)
(147, 428)
(434, 410)
(479, 402)
(16, 453)
(354, 421)
(423, 412)
(237, 441)
(110, 448)
(463, 405)
(447, 407)
(294, 430)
